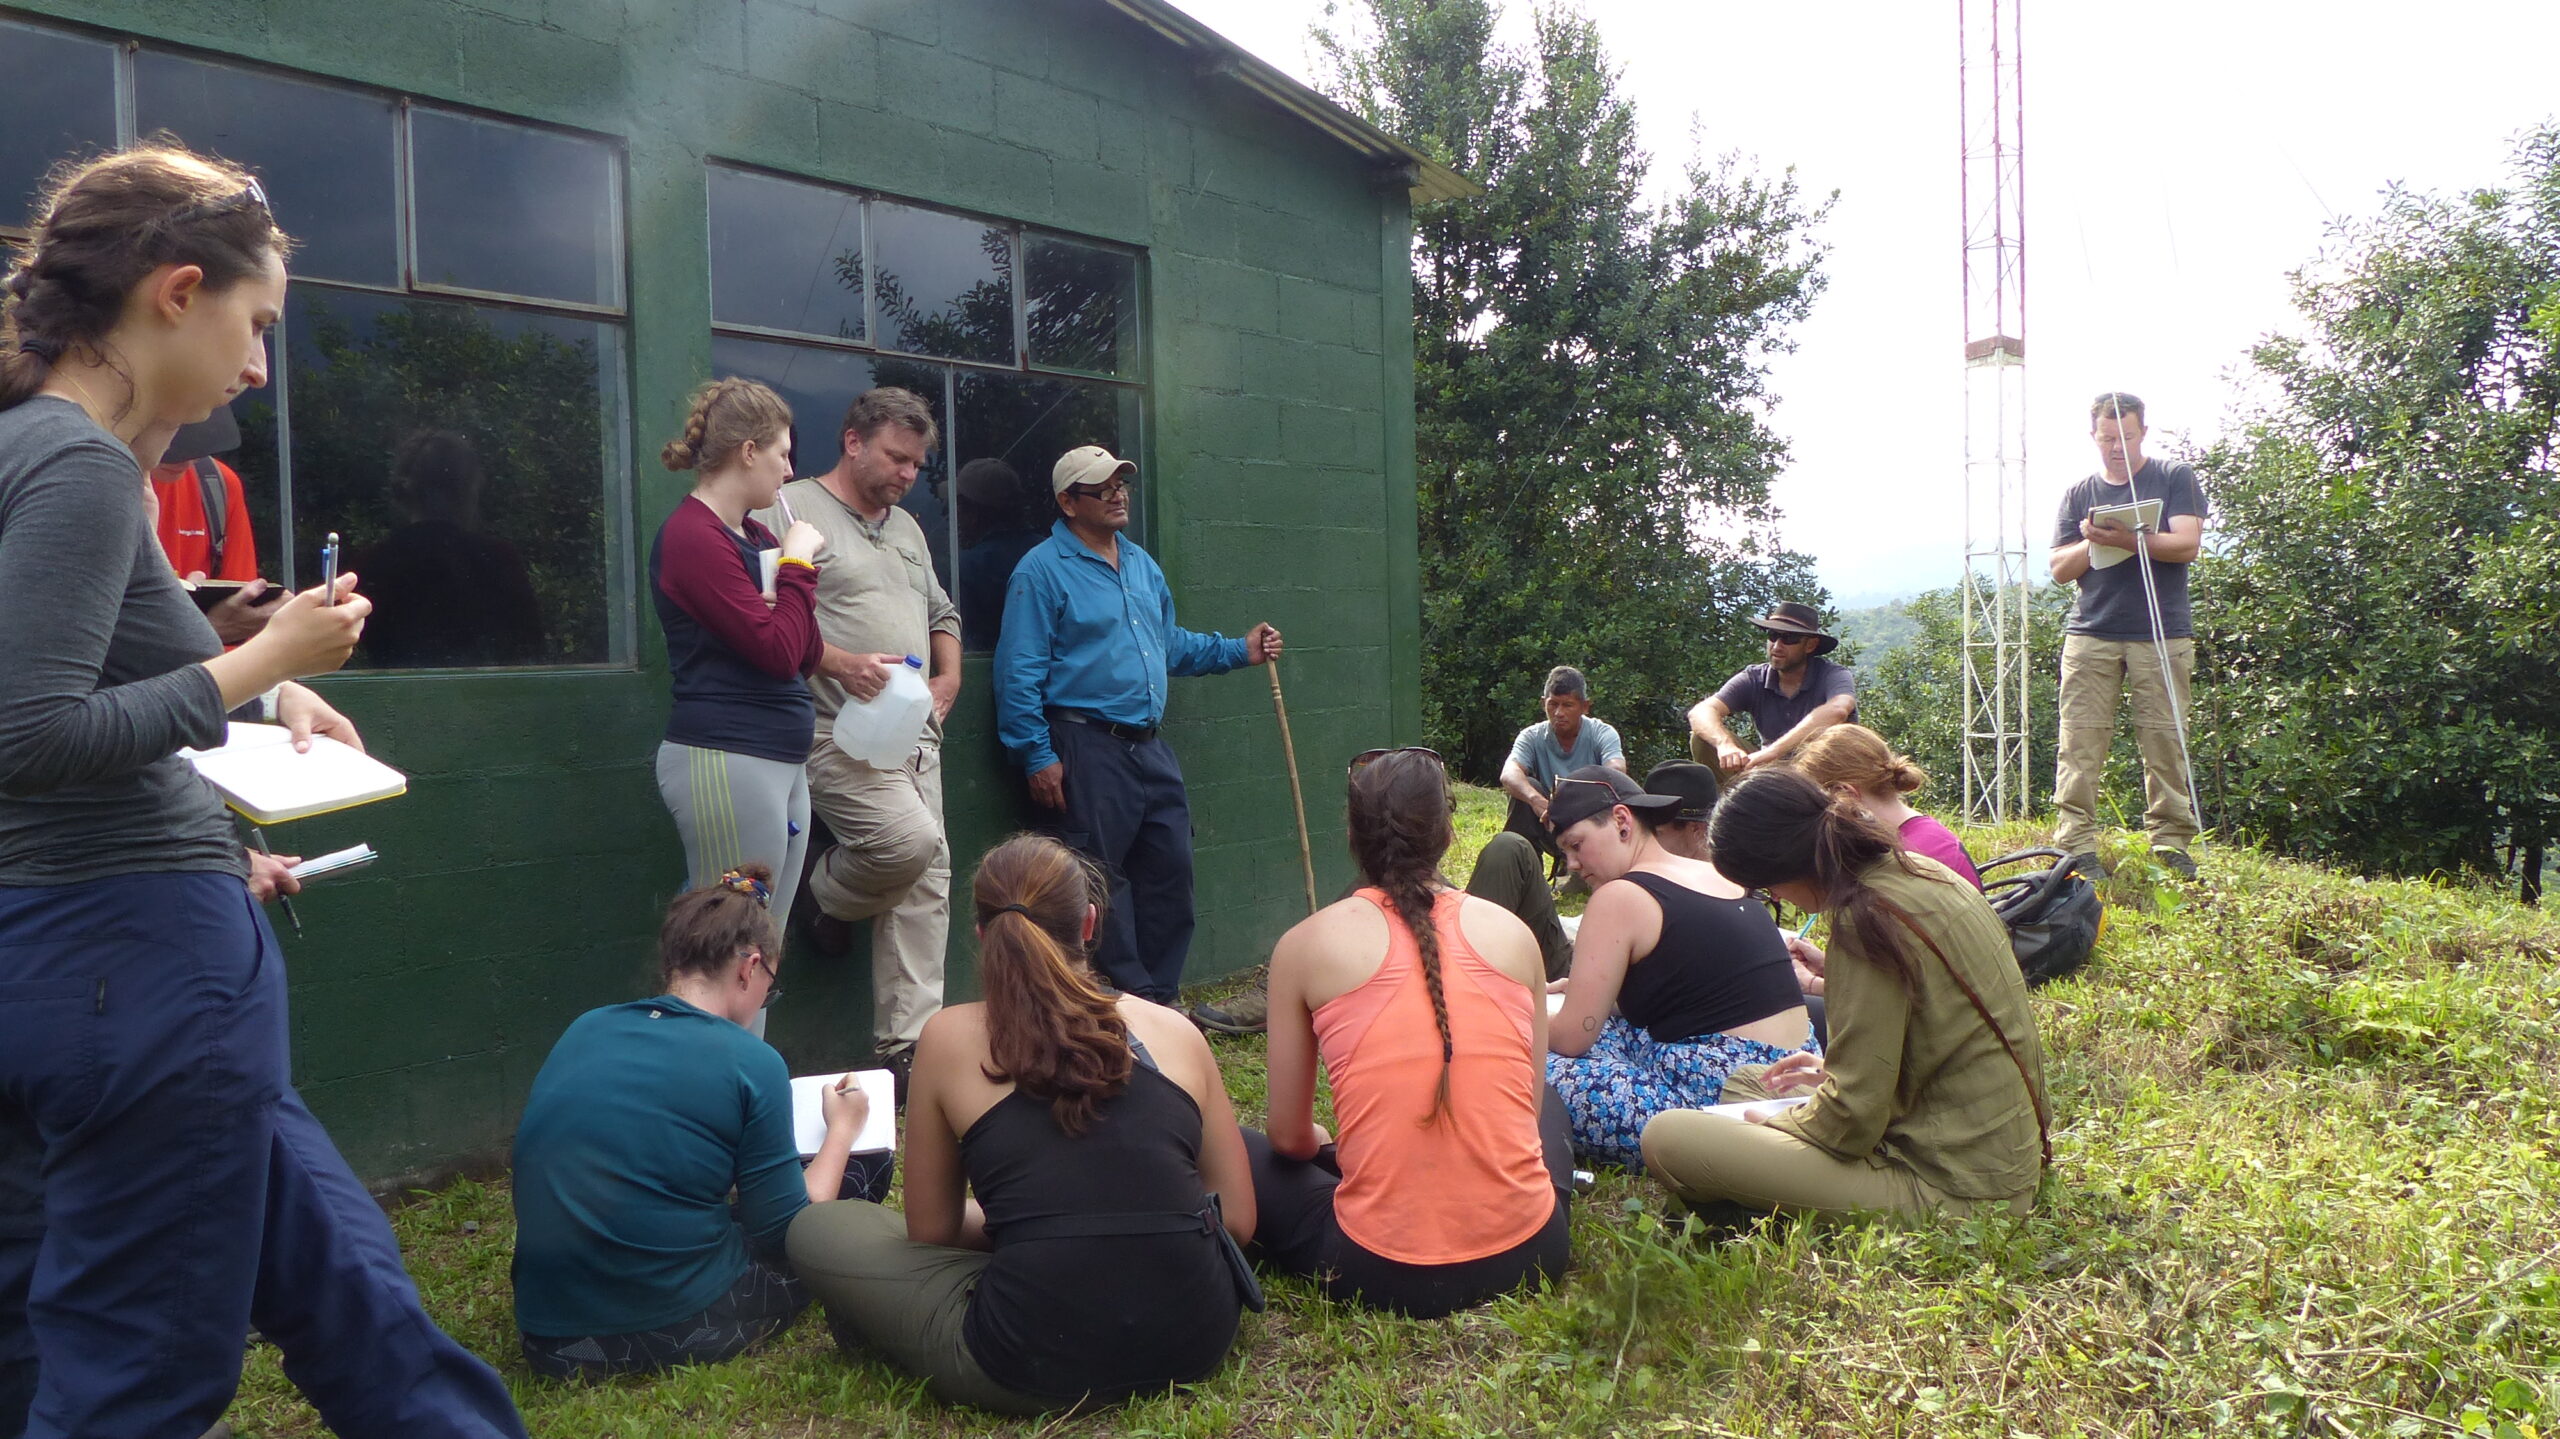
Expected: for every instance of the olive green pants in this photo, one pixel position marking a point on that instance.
(905, 1301)
(1510, 873)
(1709, 1159)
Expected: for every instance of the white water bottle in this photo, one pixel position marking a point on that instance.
(882, 730)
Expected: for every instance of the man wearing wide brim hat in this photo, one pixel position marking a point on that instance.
(1796, 695)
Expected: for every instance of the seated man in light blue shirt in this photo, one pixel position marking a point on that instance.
(1080, 674)
(1567, 740)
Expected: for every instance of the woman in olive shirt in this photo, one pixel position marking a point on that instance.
(1931, 1093)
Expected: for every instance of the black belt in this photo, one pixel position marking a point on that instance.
(1129, 733)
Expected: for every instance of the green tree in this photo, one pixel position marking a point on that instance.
(2380, 616)
(1593, 450)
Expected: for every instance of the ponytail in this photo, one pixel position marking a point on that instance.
(1051, 1030)
(723, 415)
(1399, 830)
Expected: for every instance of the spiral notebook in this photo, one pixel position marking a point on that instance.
(260, 773)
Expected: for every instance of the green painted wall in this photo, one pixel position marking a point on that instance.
(527, 867)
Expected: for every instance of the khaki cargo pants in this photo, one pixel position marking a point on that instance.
(2096, 674)
(891, 864)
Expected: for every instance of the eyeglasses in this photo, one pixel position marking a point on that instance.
(1110, 489)
(773, 991)
(251, 196)
(1368, 757)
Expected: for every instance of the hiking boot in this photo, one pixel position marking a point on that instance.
(2176, 861)
(828, 935)
(1247, 1012)
(2090, 866)
(900, 1062)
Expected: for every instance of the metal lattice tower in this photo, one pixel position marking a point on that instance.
(1996, 578)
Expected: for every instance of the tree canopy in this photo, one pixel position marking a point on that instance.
(1593, 446)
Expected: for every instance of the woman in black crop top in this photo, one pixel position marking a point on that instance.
(1095, 1262)
(1678, 977)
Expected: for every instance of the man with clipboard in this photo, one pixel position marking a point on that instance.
(2127, 535)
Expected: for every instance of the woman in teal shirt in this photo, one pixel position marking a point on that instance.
(643, 1121)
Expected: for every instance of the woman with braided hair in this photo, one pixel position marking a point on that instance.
(1448, 1184)
(162, 1187)
(1931, 1095)
(1678, 975)
(739, 611)
(645, 1119)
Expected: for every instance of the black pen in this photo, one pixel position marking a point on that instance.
(258, 837)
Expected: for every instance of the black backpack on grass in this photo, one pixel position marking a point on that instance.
(2053, 914)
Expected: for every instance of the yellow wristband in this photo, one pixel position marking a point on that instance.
(795, 560)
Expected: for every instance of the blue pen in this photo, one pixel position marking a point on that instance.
(1805, 928)
(329, 570)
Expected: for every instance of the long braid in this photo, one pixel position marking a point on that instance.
(1399, 825)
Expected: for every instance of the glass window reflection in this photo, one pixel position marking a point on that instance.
(455, 448)
(57, 99)
(942, 284)
(1011, 431)
(785, 256)
(818, 384)
(1080, 306)
(511, 210)
(324, 155)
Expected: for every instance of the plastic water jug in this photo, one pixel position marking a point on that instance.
(883, 729)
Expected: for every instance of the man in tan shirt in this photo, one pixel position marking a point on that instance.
(878, 602)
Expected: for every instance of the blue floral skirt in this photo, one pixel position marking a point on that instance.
(1628, 1076)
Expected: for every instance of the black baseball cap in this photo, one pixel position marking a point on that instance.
(215, 434)
(1694, 785)
(1596, 789)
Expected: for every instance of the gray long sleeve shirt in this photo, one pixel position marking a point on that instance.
(101, 669)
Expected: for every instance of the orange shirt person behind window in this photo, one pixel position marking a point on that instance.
(197, 550)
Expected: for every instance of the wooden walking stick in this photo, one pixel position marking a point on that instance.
(1297, 794)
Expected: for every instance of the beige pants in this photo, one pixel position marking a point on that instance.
(2096, 674)
(1709, 1158)
(891, 864)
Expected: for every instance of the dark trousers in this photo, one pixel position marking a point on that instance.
(1508, 873)
(1127, 809)
(1295, 1232)
(1523, 821)
(185, 1193)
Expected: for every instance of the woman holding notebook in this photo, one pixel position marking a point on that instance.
(158, 1175)
(739, 610)
(646, 1117)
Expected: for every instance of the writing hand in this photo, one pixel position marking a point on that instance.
(845, 1105)
(1798, 1071)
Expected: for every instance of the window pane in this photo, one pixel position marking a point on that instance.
(785, 256)
(512, 210)
(944, 284)
(1082, 306)
(323, 154)
(463, 454)
(1012, 431)
(57, 98)
(818, 384)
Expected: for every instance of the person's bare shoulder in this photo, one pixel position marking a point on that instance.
(1502, 938)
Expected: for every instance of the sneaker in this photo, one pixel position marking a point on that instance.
(2090, 866)
(1248, 1012)
(2176, 861)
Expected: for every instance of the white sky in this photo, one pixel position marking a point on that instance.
(2182, 156)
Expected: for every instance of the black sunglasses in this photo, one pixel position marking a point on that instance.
(1368, 757)
(772, 991)
(251, 196)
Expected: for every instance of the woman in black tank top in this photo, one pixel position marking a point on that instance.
(1678, 977)
(1097, 1259)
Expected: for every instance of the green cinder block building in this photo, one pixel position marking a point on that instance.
(529, 227)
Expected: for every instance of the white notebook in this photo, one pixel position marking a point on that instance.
(2141, 514)
(1767, 1107)
(261, 775)
(879, 1130)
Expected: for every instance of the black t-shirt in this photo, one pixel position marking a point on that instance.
(2110, 605)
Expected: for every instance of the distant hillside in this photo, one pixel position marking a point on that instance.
(1871, 633)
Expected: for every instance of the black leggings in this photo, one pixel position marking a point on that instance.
(1295, 1233)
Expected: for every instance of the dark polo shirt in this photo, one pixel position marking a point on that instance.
(1755, 692)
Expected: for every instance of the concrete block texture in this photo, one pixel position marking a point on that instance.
(524, 875)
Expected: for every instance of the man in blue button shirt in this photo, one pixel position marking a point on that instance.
(1081, 665)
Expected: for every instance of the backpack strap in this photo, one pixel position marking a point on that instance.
(217, 511)
(2035, 1099)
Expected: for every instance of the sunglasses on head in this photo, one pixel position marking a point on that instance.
(252, 196)
(1368, 757)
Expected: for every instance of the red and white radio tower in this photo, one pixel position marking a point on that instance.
(1996, 579)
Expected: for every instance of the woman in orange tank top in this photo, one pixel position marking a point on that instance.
(1426, 1004)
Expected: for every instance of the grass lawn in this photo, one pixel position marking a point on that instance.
(2308, 1182)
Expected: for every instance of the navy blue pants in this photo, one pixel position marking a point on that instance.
(1127, 809)
(184, 1192)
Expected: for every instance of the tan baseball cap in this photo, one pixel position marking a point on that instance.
(1090, 465)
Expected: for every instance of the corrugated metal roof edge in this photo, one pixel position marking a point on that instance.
(1424, 177)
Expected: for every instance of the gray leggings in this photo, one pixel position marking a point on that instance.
(734, 809)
